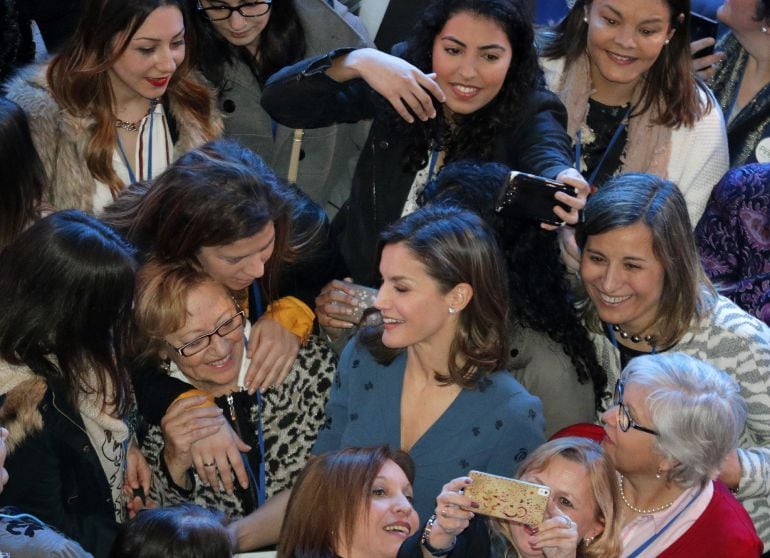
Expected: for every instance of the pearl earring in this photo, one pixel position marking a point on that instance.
(667, 41)
(452, 310)
(585, 18)
(764, 29)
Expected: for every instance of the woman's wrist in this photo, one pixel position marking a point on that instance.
(436, 539)
(177, 472)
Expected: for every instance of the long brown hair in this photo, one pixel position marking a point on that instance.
(79, 81)
(669, 87)
(456, 246)
(327, 501)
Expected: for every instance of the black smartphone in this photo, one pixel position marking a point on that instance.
(527, 196)
(700, 28)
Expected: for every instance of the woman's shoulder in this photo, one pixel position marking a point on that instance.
(29, 89)
(329, 25)
(23, 394)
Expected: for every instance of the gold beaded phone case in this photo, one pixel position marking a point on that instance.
(512, 499)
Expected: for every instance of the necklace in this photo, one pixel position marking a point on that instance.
(130, 126)
(634, 338)
(134, 126)
(640, 510)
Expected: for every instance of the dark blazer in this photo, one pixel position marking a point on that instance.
(54, 471)
(302, 95)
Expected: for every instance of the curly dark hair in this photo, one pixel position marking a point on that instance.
(281, 43)
(540, 299)
(473, 134)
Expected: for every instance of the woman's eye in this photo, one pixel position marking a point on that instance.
(632, 266)
(178, 44)
(452, 50)
(196, 343)
(146, 50)
(610, 21)
(409, 498)
(565, 502)
(233, 261)
(378, 491)
(491, 57)
(596, 259)
(401, 289)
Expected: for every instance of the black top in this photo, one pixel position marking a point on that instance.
(601, 124)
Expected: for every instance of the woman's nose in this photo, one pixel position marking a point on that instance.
(255, 266)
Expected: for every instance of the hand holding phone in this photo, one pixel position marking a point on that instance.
(702, 27)
(527, 196)
(506, 498)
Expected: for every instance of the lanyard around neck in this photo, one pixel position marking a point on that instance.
(638, 552)
(122, 151)
(615, 137)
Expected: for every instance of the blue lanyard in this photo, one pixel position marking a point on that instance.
(261, 481)
(432, 164)
(131, 175)
(653, 538)
(613, 141)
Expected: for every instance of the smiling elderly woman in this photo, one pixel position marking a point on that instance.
(193, 329)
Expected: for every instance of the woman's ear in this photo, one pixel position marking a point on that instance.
(460, 295)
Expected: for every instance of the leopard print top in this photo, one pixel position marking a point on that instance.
(291, 417)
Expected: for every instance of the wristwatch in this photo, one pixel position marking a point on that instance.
(425, 540)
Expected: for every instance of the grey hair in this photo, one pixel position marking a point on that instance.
(697, 410)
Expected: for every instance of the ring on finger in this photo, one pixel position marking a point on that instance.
(210, 464)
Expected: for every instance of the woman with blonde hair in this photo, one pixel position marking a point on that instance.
(582, 517)
(117, 103)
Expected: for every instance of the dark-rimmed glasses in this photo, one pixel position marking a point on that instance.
(221, 12)
(624, 418)
(200, 343)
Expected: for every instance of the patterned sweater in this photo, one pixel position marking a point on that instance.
(739, 344)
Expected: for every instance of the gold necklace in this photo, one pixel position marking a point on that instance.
(640, 510)
(134, 126)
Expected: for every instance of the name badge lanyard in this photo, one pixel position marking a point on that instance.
(638, 552)
(260, 481)
(131, 175)
(613, 141)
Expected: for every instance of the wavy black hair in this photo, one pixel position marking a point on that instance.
(540, 296)
(472, 135)
(281, 43)
(66, 288)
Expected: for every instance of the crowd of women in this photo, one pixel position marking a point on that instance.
(263, 284)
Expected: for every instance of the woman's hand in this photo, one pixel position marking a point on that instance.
(336, 306)
(138, 480)
(576, 203)
(406, 87)
(705, 66)
(184, 423)
(557, 536)
(452, 517)
(217, 457)
(272, 349)
(731, 471)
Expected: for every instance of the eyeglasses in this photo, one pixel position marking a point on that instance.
(624, 419)
(199, 343)
(221, 12)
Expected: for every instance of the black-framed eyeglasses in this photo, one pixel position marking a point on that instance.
(221, 12)
(200, 343)
(624, 419)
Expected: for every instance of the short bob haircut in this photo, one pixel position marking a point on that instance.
(696, 409)
(22, 182)
(214, 195)
(80, 83)
(456, 246)
(670, 87)
(604, 487)
(181, 531)
(66, 286)
(659, 205)
(160, 304)
(337, 487)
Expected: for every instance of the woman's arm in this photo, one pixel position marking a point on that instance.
(261, 527)
(340, 85)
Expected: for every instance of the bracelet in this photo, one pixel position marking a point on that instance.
(424, 539)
